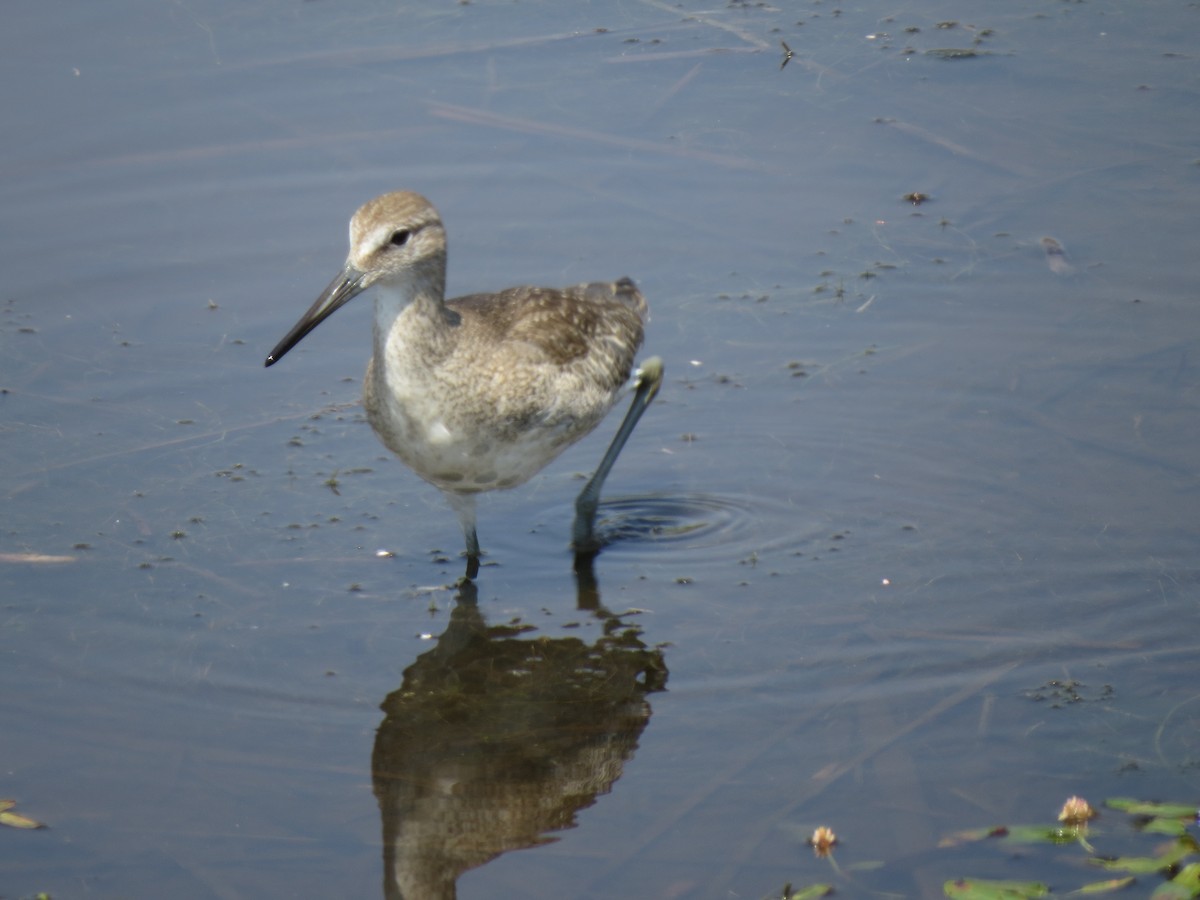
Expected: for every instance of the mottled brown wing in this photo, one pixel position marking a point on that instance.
(562, 323)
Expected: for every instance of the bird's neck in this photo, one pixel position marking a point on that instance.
(412, 311)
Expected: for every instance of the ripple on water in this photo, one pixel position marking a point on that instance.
(694, 521)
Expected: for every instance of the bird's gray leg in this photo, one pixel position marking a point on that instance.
(464, 506)
(583, 535)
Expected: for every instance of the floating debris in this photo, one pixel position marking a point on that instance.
(956, 53)
(38, 558)
(1056, 257)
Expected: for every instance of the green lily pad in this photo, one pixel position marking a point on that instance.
(1042, 834)
(1184, 886)
(1106, 887)
(1189, 876)
(1173, 827)
(981, 889)
(1176, 852)
(1143, 808)
(812, 891)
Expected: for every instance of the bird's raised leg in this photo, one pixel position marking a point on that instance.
(583, 533)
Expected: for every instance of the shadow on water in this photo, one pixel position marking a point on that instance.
(493, 740)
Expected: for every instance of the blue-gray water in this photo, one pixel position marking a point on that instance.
(902, 476)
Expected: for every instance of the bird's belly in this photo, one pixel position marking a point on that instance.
(466, 454)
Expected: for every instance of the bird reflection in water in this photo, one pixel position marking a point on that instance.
(495, 739)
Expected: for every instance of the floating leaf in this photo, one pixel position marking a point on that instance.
(1140, 865)
(1189, 876)
(16, 820)
(1184, 886)
(1106, 887)
(811, 892)
(1179, 849)
(1042, 834)
(1144, 808)
(1171, 891)
(1173, 827)
(979, 889)
(972, 835)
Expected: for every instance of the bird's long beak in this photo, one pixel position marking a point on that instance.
(343, 289)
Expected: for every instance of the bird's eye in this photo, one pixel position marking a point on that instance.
(400, 238)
